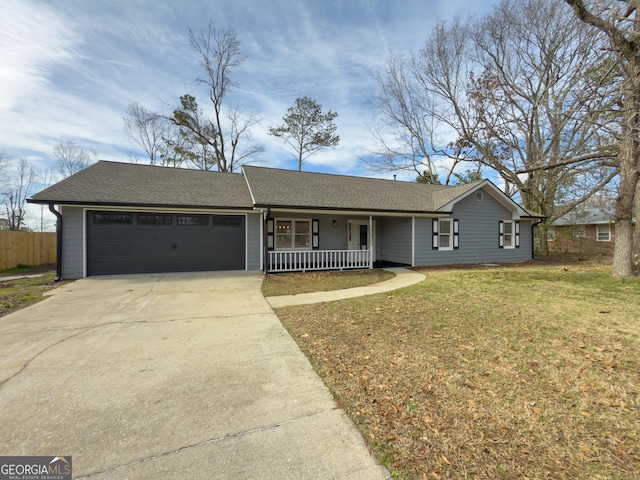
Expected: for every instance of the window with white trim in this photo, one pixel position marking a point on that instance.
(293, 234)
(579, 231)
(603, 233)
(509, 234)
(445, 234)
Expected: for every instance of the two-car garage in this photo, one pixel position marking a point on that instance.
(120, 242)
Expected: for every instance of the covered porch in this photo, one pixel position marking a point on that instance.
(311, 241)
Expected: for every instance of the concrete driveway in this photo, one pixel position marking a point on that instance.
(170, 376)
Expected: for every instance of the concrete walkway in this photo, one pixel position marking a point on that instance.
(18, 277)
(186, 376)
(404, 278)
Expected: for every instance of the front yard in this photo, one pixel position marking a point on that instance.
(22, 292)
(513, 372)
(296, 283)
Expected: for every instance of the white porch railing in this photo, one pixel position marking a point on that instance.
(304, 260)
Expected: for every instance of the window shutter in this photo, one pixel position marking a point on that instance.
(501, 234)
(517, 234)
(455, 234)
(315, 234)
(434, 228)
(270, 230)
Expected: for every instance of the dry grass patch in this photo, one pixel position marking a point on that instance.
(17, 294)
(521, 372)
(296, 283)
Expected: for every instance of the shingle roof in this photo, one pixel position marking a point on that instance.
(125, 184)
(116, 183)
(587, 216)
(286, 188)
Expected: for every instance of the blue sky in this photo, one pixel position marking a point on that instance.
(69, 68)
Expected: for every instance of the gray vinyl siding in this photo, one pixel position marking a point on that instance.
(332, 238)
(254, 242)
(478, 236)
(72, 242)
(337, 238)
(394, 243)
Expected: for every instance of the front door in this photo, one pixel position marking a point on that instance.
(360, 238)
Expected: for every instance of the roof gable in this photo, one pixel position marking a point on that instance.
(490, 188)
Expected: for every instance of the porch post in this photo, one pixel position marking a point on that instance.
(370, 241)
(265, 241)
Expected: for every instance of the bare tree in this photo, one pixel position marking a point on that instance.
(4, 167)
(227, 132)
(306, 129)
(528, 93)
(4, 185)
(620, 21)
(409, 126)
(45, 179)
(538, 102)
(15, 194)
(148, 129)
(71, 158)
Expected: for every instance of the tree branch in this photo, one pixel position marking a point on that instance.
(584, 158)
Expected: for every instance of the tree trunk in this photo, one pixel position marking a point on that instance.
(636, 234)
(628, 158)
(542, 245)
(624, 41)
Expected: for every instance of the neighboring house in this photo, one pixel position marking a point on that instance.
(583, 231)
(124, 218)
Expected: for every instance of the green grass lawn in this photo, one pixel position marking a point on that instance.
(512, 372)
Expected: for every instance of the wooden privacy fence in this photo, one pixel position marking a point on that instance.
(26, 248)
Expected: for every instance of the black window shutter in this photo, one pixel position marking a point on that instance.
(456, 243)
(270, 234)
(434, 229)
(315, 234)
(501, 234)
(517, 233)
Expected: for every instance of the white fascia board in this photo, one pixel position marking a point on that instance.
(311, 211)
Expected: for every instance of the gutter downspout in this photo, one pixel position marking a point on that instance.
(533, 237)
(58, 242)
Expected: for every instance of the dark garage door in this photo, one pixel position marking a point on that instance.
(137, 242)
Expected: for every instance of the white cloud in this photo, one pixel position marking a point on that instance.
(33, 40)
(69, 68)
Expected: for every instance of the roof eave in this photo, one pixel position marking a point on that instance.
(136, 205)
(342, 211)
